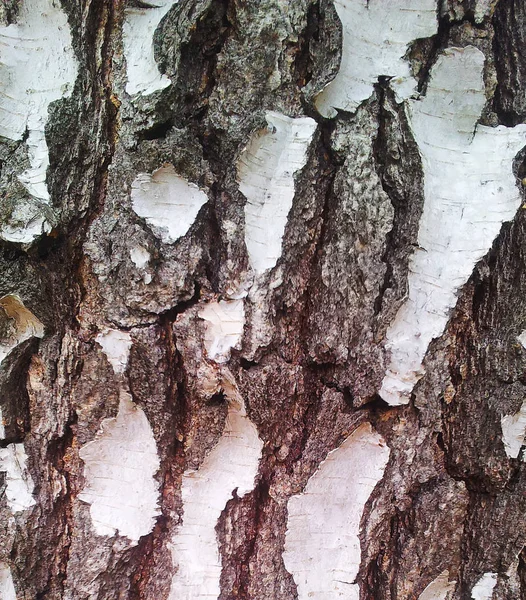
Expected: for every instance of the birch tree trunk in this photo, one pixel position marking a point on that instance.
(263, 329)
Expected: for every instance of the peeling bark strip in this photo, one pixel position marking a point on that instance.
(138, 31)
(7, 588)
(227, 472)
(116, 346)
(225, 320)
(230, 231)
(376, 37)
(19, 486)
(322, 547)
(484, 587)
(37, 66)
(266, 172)
(470, 190)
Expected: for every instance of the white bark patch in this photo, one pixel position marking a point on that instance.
(167, 202)
(265, 173)
(26, 223)
(376, 36)
(439, 589)
(138, 31)
(19, 490)
(37, 67)
(483, 589)
(231, 466)
(483, 8)
(120, 465)
(7, 587)
(322, 545)
(225, 321)
(514, 431)
(140, 257)
(470, 191)
(21, 326)
(116, 346)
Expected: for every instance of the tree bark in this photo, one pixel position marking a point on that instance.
(262, 318)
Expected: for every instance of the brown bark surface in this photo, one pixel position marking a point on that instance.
(313, 353)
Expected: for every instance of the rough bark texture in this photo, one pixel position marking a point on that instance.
(313, 354)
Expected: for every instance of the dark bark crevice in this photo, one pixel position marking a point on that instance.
(510, 99)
